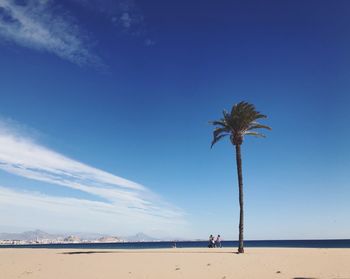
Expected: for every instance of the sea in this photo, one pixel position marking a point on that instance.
(319, 243)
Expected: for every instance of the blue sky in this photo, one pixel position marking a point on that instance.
(105, 105)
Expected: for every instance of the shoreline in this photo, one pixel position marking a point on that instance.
(309, 243)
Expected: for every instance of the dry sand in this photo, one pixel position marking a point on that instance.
(259, 263)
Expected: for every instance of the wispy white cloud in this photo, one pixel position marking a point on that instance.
(125, 15)
(130, 17)
(33, 210)
(122, 198)
(126, 20)
(34, 24)
(149, 42)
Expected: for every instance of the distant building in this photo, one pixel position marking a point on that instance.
(109, 239)
(72, 238)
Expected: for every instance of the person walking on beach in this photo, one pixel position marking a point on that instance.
(211, 241)
(218, 241)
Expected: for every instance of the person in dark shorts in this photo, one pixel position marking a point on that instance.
(211, 243)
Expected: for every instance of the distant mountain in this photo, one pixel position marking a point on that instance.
(89, 236)
(39, 235)
(139, 237)
(109, 239)
(29, 235)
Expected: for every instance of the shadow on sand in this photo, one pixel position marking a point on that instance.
(85, 252)
(154, 252)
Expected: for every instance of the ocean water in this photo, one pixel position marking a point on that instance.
(326, 243)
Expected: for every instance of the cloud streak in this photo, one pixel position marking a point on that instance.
(35, 210)
(33, 24)
(114, 195)
(125, 15)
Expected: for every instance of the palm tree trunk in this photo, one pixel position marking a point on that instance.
(240, 187)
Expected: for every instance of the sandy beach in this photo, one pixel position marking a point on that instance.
(295, 263)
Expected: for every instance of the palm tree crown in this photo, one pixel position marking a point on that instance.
(242, 121)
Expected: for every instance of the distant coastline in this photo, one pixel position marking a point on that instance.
(159, 244)
(40, 237)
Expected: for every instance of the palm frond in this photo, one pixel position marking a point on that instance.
(259, 126)
(216, 139)
(255, 134)
(220, 130)
(259, 116)
(218, 123)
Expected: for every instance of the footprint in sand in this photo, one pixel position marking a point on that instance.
(25, 273)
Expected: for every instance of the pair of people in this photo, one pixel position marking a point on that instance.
(214, 242)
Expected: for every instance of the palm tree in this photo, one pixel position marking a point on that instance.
(242, 121)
